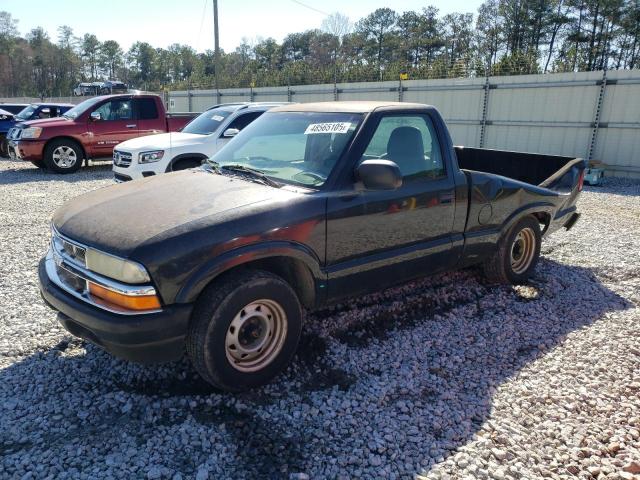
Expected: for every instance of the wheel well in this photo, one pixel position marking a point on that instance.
(54, 139)
(184, 158)
(291, 270)
(544, 218)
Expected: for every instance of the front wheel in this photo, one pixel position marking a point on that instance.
(63, 156)
(517, 255)
(244, 330)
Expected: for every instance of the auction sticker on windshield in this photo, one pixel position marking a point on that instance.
(334, 127)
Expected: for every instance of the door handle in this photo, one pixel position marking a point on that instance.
(131, 126)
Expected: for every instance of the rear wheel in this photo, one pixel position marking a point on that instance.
(4, 146)
(517, 255)
(63, 156)
(244, 330)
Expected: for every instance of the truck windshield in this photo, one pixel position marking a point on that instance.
(208, 122)
(292, 147)
(82, 107)
(25, 114)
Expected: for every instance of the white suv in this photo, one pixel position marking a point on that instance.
(198, 140)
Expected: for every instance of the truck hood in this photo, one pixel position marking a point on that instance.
(161, 142)
(46, 122)
(121, 218)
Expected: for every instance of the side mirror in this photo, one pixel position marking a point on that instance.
(230, 132)
(378, 174)
(95, 116)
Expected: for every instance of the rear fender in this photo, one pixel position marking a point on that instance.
(215, 267)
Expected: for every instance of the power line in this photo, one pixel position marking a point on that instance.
(204, 8)
(310, 7)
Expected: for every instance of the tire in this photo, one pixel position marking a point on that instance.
(517, 255)
(4, 146)
(63, 156)
(185, 163)
(233, 316)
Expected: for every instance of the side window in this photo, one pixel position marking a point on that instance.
(147, 109)
(45, 112)
(115, 110)
(411, 142)
(243, 120)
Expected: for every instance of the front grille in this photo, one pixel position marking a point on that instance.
(68, 251)
(121, 159)
(14, 133)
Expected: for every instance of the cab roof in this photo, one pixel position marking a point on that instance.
(347, 107)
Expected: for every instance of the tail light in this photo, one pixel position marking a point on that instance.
(581, 181)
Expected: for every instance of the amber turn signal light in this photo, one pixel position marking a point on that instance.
(127, 302)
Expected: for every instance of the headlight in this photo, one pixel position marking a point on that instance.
(149, 157)
(116, 268)
(31, 132)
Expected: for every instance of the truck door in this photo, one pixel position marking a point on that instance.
(115, 125)
(378, 238)
(149, 121)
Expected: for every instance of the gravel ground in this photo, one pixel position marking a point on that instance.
(443, 378)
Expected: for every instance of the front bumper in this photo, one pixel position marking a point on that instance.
(145, 338)
(30, 150)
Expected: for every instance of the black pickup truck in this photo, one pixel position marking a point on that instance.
(309, 204)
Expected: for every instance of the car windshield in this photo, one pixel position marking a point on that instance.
(298, 148)
(26, 112)
(208, 122)
(82, 107)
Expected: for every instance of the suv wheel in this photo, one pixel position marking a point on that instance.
(517, 255)
(63, 156)
(244, 330)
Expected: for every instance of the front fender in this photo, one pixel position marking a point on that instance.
(213, 268)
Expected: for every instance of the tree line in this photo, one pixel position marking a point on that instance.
(503, 37)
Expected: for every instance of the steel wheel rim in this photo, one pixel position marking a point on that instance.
(256, 335)
(64, 157)
(523, 250)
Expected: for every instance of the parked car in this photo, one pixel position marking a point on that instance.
(85, 89)
(91, 129)
(309, 204)
(30, 112)
(197, 141)
(113, 86)
(100, 88)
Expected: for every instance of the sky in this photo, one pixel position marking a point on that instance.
(164, 22)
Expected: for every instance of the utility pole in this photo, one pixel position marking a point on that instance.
(216, 61)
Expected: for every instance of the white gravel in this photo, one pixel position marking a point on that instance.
(443, 378)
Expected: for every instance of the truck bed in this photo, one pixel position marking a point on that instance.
(533, 168)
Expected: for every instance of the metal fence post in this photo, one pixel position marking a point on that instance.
(485, 107)
(251, 93)
(400, 89)
(288, 92)
(596, 116)
(189, 99)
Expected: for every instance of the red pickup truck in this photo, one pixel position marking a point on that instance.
(91, 129)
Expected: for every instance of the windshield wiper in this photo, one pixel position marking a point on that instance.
(257, 174)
